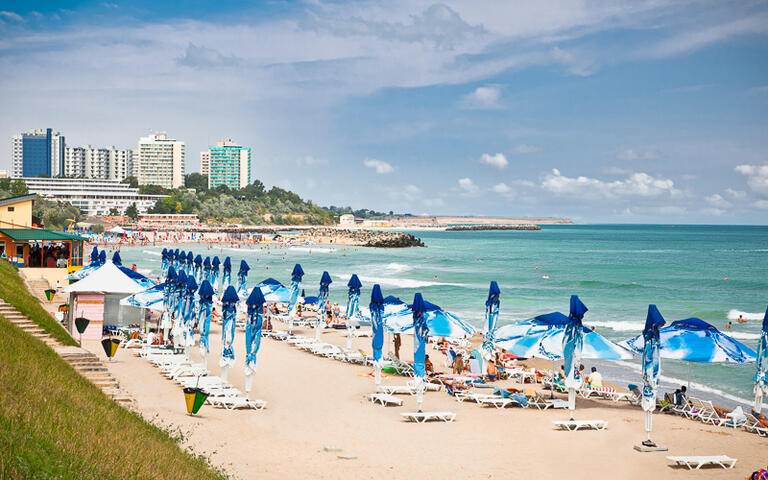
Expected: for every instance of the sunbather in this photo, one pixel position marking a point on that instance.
(595, 379)
(492, 371)
(428, 367)
(458, 364)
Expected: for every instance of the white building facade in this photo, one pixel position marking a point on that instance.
(160, 161)
(92, 196)
(99, 163)
(228, 164)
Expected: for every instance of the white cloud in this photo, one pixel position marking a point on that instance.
(523, 149)
(467, 185)
(576, 64)
(483, 98)
(380, 166)
(498, 160)
(310, 161)
(757, 177)
(718, 201)
(612, 170)
(10, 16)
(501, 188)
(761, 204)
(203, 57)
(636, 185)
(737, 194)
(630, 155)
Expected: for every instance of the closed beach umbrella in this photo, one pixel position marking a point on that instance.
(229, 308)
(95, 256)
(116, 259)
(178, 322)
(226, 276)
(242, 277)
(761, 375)
(651, 365)
(102, 257)
(491, 316)
(420, 332)
(296, 276)
(190, 263)
(164, 261)
(198, 268)
(207, 269)
(322, 300)
(376, 308)
(177, 259)
(573, 340)
(189, 312)
(168, 299)
(215, 273)
(204, 318)
(353, 301)
(253, 326)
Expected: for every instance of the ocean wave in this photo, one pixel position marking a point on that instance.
(616, 325)
(734, 315)
(403, 282)
(313, 249)
(398, 267)
(150, 252)
(743, 335)
(601, 283)
(144, 271)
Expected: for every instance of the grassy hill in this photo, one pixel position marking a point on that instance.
(55, 424)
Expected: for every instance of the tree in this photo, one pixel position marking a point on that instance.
(132, 212)
(19, 187)
(113, 212)
(132, 181)
(197, 181)
(152, 190)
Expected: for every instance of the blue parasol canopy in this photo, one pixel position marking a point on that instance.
(229, 307)
(694, 340)
(207, 262)
(297, 272)
(199, 260)
(420, 330)
(761, 373)
(491, 315)
(244, 268)
(227, 264)
(651, 364)
(293, 293)
(253, 327)
(274, 291)
(354, 282)
(102, 257)
(215, 262)
(204, 317)
(116, 258)
(376, 309)
(440, 322)
(151, 298)
(94, 255)
(326, 279)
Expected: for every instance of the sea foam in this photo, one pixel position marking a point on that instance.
(150, 252)
(734, 315)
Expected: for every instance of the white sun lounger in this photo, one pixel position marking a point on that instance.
(423, 417)
(231, 403)
(498, 402)
(754, 426)
(573, 425)
(700, 461)
(384, 399)
(396, 390)
(428, 386)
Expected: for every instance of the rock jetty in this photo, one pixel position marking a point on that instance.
(478, 228)
(360, 238)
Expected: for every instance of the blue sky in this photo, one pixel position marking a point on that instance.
(636, 112)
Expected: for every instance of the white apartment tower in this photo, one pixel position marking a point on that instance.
(100, 163)
(160, 161)
(229, 164)
(205, 163)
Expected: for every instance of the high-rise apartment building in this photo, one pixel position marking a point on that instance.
(160, 161)
(95, 162)
(38, 152)
(229, 164)
(205, 163)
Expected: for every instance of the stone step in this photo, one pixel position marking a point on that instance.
(91, 369)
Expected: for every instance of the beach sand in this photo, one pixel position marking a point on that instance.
(314, 402)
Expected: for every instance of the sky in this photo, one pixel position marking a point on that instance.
(604, 112)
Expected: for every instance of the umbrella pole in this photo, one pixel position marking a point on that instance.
(552, 387)
(572, 401)
(689, 378)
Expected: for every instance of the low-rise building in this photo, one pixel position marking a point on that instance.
(347, 220)
(162, 220)
(92, 196)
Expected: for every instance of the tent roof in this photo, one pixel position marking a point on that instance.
(116, 229)
(38, 234)
(107, 279)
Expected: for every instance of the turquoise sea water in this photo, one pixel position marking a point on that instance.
(617, 270)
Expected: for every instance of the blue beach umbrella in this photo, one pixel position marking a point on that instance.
(353, 302)
(151, 298)
(190, 263)
(226, 276)
(573, 340)
(116, 259)
(87, 270)
(441, 323)
(651, 366)
(322, 301)
(229, 308)
(181, 285)
(177, 259)
(253, 326)
(391, 306)
(491, 316)
(164, 261)
(242, 276)
(95, 256)
(102, 257)
(168, 299)
(207, 269)
(204, 317)
(198, 269)
(376, 308)
(296, 276)
(215, 273)
(189, 312)
(761, 374)
(421, 331)
(274, 291)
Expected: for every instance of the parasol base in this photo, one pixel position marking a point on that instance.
(644, 447)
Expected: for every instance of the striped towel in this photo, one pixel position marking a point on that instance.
(602, 390)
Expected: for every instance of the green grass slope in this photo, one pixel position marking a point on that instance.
(14, 291)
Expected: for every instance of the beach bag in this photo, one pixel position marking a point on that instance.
(761, 474)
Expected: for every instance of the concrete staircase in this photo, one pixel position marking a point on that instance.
(38, 286)
(84, 362)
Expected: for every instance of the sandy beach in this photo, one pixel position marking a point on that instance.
(315, 402)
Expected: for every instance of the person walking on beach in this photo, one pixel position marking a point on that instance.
(398, 342)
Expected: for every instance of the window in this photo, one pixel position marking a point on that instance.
(10, 209)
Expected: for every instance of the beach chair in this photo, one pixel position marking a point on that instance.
(385, 399)
(428, 386)
(501, 402)
(232, 403)
(753, 425)
(423, 417)
(699, 461)
(735, 419)
(573, 425)
(396, 389)
(400, 367)
(704, 411)
(542, 403)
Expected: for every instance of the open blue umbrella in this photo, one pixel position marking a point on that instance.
(421, 330)
(392, 305)
(242, 276)
(204, 318)
(229, 311)
(491, 315)
(441, 323)
(651, 366)
(353, 302)
(253, 326)
(274, 291)
(761, 374)
(377, 325)
(151, 298)
(325, 282)
(573, 340)
(226, 276)
(215, 273)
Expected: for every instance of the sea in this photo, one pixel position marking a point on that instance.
(715, 273)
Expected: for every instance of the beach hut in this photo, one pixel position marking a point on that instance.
(97, 298)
